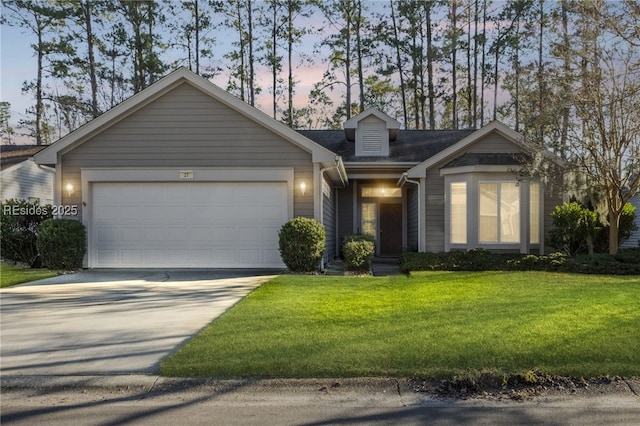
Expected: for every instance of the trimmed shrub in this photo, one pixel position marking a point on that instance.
(19, 224)
(302, 242)
(61, 243)
(357, 252)
(626, 262)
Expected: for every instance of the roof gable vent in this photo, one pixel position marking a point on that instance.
(371, 130)
(372, 138)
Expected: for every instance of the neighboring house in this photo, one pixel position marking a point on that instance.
(22, 178)
(634, 241)
(183, 174)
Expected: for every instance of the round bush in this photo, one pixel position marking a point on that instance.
(19, 223)
(61, 243)
(302, 243)
(357, 254)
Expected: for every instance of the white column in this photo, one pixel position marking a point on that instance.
(525, 216)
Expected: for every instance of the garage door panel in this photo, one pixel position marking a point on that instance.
(194, 224)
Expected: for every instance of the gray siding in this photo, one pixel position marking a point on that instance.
(27, 180)
(634, 241)
(435, 211)
(329, 219)
(187, 128)
(412, 218)
(345, 212)
(491, 144)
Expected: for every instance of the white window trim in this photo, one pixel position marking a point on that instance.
(473, 205)
(500, 243)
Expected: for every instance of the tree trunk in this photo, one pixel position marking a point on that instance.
(197, 35)
(86, 9)
(483, 64)
(274, 52)
(290, 59)
(469, 84)
(399, 64)
(430, 58)
(359, 53)
(614, 229)
(454, 51)
(252, 89)
(39, 101)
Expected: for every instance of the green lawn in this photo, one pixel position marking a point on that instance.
(431, 324)
(15, 274)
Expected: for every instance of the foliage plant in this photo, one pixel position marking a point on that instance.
(577, 229)
(357, 252)
(302, 242)
(19, 224)
(62, 243)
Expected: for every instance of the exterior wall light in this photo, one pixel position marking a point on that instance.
(69, 188)
(303, 187)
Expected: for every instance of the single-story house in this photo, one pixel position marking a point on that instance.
(21, 178)
(183, 174)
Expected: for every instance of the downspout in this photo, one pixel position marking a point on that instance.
(406, 179)
(321, 196)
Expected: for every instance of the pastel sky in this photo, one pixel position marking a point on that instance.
(18, 64)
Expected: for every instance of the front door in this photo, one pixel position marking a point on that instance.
(390, 229)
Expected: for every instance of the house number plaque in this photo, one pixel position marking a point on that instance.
(186, 174)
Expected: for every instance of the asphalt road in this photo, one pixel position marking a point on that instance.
(155, 401)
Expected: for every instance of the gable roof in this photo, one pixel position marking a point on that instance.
(391, 124)
(181, 75)
(411, 146)
(13, 154)
(493, 127)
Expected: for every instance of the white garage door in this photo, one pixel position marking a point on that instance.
(187, 225)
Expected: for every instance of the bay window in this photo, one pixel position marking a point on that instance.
(499, 213)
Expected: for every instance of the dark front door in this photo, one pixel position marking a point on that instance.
(390, 229)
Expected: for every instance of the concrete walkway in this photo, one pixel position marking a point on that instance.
(100, 322)
(385, 266)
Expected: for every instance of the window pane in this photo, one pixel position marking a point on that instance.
(488, 224)
(386, 192)
(369, 224)
(509, 212)
(534, 212)
(459, 213)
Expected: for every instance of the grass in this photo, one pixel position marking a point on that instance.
(16, 274)
(431, 324)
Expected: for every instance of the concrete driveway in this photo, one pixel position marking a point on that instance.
(111, 322)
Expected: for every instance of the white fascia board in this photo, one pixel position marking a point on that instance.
(373, 164)
(50, 154)
(481, 168)
(391, 123)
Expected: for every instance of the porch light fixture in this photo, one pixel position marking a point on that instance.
(69, 188)
(303, 187)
